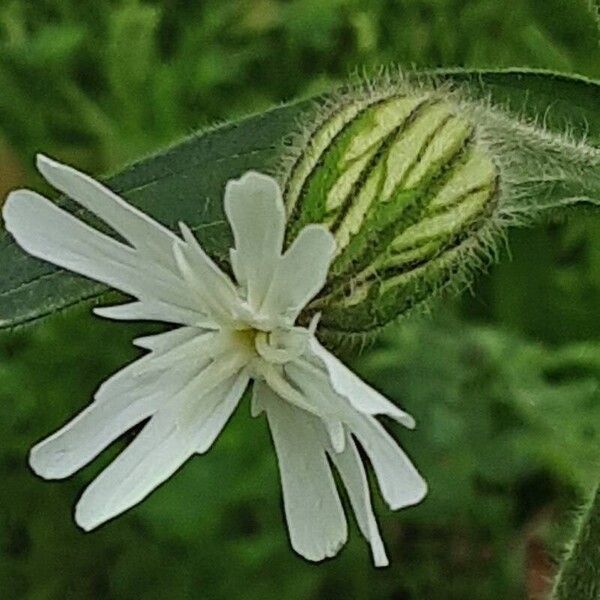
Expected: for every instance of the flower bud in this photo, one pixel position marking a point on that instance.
(408, 187)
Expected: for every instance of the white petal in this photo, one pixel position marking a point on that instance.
(256, 405)
(400, 482)
(153, 310)
(122, 401)
(319, 399)
(313, 510)
(213, 288)
(136, 227)
(177, 349)
(52, 234)
(173, 434)
(314, 386)
(217, 408)
(164, 444)
(162, 342)
(363, 397)
(82, 439)
(337, 434)
(276, 380)
(300, 273)
(255, 210)
(354, 477)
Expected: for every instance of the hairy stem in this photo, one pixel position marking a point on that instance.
(579, 575)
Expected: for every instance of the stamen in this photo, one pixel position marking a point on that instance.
(279, 347)
(278, 356)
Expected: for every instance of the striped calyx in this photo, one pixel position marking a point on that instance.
(409, 190)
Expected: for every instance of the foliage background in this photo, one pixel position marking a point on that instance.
(503, 382)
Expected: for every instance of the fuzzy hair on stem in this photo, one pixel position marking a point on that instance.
(579, 575)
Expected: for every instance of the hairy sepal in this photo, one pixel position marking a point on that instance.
(418, 180)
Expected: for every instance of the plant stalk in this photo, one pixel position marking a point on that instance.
(579, 575)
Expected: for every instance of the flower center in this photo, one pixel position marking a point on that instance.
(246, 338)
(276, 347)
(281, 346)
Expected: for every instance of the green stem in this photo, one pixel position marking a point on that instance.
(579, 575)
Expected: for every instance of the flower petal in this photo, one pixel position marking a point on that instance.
(217, 409)
(255, 211)
(318, 398)
(354, 477)
(124, 400)
(52, 234)
(164, 444)
(363, 397)
(400, 482)
(300, 273)
(83, 438)
(155, 454)
(162, 342)
(215, 290)
(154, 310)
(313, 510)
(136, 227)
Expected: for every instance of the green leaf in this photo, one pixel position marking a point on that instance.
(185, 182)
(563, 103)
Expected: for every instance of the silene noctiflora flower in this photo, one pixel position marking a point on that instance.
(229, 333)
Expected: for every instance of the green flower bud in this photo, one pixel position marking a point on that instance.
(408, 187)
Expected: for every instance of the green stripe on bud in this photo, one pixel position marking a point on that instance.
(407, 188)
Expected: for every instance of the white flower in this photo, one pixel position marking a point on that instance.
(229, 334)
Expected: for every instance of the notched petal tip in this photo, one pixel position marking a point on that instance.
(319, 234)
(16, 202)
(103, 311)
(378, 552)
(361, 395)
(252, 185)
(48, 463)
(320, 554)
(186, 233)
(44, 163)
(380, 560)
(256, 406)
(417, 493)
(405, 419)
(86, 520)
(54, 172)
(51, 169)
(251, 177)
(421, 493)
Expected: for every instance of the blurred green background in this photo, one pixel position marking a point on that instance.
(503, 382)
